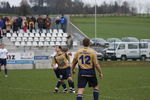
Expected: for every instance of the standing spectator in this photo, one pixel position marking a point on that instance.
(34, 20)
(4, 20)
(1, 28)
(47, 24)
(19, 22)
(69, 42)
(31, 25)
(1, 23)
(63, 22)
(25, 25)
(8, 25)
(28, 20)
(11, 20)
(57, 22)
(40, 24)
(15, 26)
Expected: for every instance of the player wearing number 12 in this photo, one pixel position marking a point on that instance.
(87, 62)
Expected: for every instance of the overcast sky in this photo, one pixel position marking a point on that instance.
(136, 3)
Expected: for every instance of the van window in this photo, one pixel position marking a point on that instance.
(121, 46)
(143, 45)
(132, 46)
(112, 46)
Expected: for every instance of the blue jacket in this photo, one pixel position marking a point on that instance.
(1, 24)
(63, 20)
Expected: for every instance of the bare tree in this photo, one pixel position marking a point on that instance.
(24, 8)
(140, 9)
(148, 10)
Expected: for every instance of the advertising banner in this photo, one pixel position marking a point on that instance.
(20, 58)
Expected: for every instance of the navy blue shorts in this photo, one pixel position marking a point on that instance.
(83, 80)
(65, 73)
(3, 62)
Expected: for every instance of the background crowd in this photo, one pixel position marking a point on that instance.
(31, 23)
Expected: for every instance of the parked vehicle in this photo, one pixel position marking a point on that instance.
(145, 40)
(129, 39)
(128, 50)
(111, 40)
(99, 52)
(99, 42)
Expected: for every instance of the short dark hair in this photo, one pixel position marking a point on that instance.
(86, 42)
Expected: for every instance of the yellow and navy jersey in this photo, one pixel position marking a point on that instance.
(63, 60)
(86, 59)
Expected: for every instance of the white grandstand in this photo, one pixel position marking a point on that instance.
(40, 45)
(36, 39)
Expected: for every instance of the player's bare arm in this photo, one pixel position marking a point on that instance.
(99, 70)
(74, 63)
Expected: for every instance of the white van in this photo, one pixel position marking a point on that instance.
(128, 50)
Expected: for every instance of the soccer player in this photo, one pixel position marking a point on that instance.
(87, 62)
(3, 57)
(56, 70)
(63, 70)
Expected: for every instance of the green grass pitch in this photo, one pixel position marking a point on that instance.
(122, 81)
(114, 27)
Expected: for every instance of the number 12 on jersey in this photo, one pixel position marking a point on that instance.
(85, 59)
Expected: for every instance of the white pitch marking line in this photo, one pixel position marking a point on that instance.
(28, 89)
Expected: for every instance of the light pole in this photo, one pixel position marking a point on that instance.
(95, 19)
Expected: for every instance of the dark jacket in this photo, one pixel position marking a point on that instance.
(15, 26)
(1, 24)
(19, 21)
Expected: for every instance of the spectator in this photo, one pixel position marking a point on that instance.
(28, 20)
(47, 24)
(1, 28)
(15, 26)
(34, 20)
(19, 22)
(63, 22)
(1, 23)
(57, 22)
(4, 20)
(40, 24)
(31, 26)
(69, 42)
(11, 20)
(8, 25)
(25, 25)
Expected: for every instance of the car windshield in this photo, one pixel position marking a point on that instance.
(112, 46)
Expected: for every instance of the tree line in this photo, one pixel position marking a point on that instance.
(65, 6)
